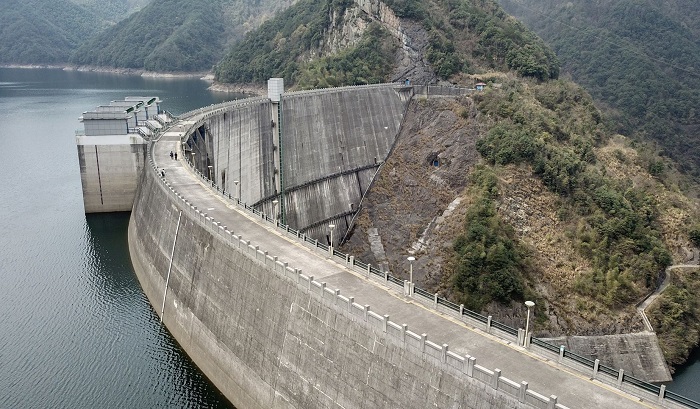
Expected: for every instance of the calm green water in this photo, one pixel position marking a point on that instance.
(76, 331)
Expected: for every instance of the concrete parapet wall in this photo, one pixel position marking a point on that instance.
(271, 337)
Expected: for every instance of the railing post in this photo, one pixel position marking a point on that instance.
(323, 290)
(311, 279)
(488, 324)
(435, 301)
(596, 366)
(620, 376)
(423, 338)
(337, 295)
(369, 270)
(471, 361)
(350, 301)
(404, 328)
(522, 392)
(496, 376)
(662, 394)
(366, 311)
(552, 402)
(386, 322)
(561, 353)
(444, 353)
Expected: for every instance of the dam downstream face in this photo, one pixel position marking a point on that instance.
(76, 330)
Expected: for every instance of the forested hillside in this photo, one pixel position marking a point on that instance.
(43, 32)
(639, 57)
(176, 35)
(462, 37)
(112, 11)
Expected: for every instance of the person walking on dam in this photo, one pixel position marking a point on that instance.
(171, 155)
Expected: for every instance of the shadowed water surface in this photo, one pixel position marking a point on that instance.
(76, 331)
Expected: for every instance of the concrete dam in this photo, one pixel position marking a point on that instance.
(276, 317)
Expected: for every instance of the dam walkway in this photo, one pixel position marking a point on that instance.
(546, 376)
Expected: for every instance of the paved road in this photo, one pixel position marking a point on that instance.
(517, 364)
(653, 296)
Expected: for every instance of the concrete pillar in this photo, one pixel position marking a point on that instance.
(522, 393)
(386, 322)
(552, 402)
(521, 337)
(488, 324)
(404, 328)
(444, 353)
(662, 393)
(561, 353)
(352, 261)
(311, 278)
(435, 301)
(620, 376)
(528, 339)
(337, 295)
(351, 300)
(596, 366)
(323, 290)
(461, 310)
(496, 376)
(369, 268)
(471, 361)
(423, 338)
(366, 311)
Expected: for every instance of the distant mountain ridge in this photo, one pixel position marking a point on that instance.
(640, 57)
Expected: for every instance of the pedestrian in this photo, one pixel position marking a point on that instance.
(171, 155)
(175, 155)
(162, 173)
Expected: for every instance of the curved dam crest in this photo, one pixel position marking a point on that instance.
(271, 336)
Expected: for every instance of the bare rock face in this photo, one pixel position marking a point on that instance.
(347, 30)
(414, 208)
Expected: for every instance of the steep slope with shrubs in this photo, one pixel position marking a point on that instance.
(452, 37)
(639, 57)
(534, 198)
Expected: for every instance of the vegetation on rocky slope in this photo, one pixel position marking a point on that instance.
(464, 36)
(553, 129)
(676, 316)
(640, 57)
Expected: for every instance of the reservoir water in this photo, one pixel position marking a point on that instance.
(76, 331)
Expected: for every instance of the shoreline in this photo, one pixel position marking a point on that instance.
(208, 76)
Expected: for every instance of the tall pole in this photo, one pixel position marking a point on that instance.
(410, 259)
(330, 248)
(529, 305)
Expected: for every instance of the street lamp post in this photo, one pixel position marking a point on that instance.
(529, 305)
(410, 259)
(274, 211)
(330, 248)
